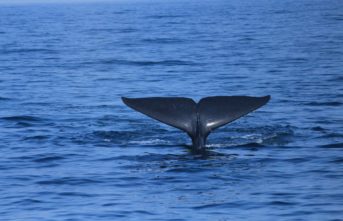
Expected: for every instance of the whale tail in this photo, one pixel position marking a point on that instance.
(198, 120)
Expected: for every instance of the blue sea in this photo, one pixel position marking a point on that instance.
(72, 151)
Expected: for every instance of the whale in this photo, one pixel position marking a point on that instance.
(197, 119)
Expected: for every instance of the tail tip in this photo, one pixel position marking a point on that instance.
(267, 98)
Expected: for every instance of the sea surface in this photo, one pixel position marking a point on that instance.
(72, 151)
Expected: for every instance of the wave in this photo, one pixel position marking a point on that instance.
(333, 145)
(112, 30)
(151, 142)
(318, 128)
(25, 118)
(141, 63)
(232, 145)
(68, 181)
(332, 135)
(162, 41)
(47, 159)
(330, 103)
(37, 137)
(29, 50)
(4, 99)
(164, 16)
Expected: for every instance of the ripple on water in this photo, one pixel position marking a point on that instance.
(142, 63)
(318, 128)
(251, 136)
(163, 41)
(23, 118)
(333, 145)
(37, 137)
(22, 121)
(30, 51)
(4, 98)
(47, 159)
(327, 103)
(72, 181)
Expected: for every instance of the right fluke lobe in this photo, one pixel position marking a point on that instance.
(220, 110)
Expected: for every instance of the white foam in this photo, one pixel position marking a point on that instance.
(149, 142)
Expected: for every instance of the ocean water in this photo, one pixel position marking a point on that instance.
(71, 150)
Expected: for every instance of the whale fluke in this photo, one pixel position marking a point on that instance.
(198, 120)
